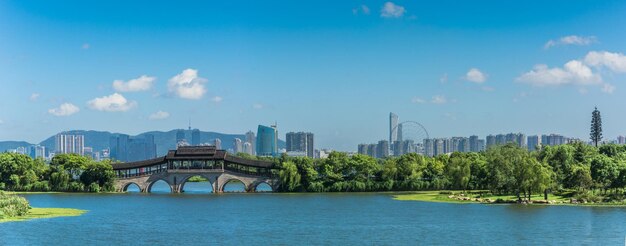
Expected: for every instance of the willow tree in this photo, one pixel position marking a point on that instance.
(596, 127)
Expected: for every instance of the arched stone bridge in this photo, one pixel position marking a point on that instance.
(205, 161)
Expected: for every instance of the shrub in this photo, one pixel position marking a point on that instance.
(93, 187)
(12, 205)
(76, 186)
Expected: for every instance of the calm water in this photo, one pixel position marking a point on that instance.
(298, 219)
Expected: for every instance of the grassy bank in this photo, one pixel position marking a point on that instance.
(40, 213)
(17, 208)
(475, 197)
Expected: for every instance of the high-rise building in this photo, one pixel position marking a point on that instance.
(180, 137)
(491, 141)
(393, 128)
(250, 138)
(68, 143)
(481, 145)
(217, 143)
(439, 147)
(124, 148)
(429, 147)
(237, 145)
(37, 151)
(382, 149)
(553, 140)
(300, 142)
(362, 149)
(195, 137)
(533, 142)
(621, 140)
(247, 148)
(371, 150)
(267, 141)
(473, 142)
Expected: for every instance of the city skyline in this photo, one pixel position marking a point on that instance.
(459, 73)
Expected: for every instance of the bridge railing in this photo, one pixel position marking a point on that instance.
(265, 173)
(140, 174)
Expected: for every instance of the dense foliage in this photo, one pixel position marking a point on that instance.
(12, 205)
(66, 172)
(505, 169)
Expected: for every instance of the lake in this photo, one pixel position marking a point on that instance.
(296, 219)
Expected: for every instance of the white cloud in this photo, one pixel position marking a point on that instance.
(418, 100)
(391, 10)
(187, 84)
(439, 99)
(614, 61)
(142, 83)
(257, 106)
(85, 46)
(608, 88)
(34, 96)
(217, 99)
(65, 109)
(476, 76)
(570, 40)
(112, 103)
(159, 115)
(363, 9)
(573, 72)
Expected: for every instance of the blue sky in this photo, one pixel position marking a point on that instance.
(335, 68)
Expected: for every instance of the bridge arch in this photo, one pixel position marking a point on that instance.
(129, 184)
(150, 186)
(255, 186)
(211, 180)
(232, 180)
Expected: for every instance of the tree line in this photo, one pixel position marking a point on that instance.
(505, 169)
(65, 172)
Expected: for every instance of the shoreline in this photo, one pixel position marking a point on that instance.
(448, 197)
(439, 196)
(46, 213)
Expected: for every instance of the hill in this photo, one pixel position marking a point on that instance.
(164, 141)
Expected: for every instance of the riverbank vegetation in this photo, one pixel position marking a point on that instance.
(17, 208)
(65, 172)
(583, 172)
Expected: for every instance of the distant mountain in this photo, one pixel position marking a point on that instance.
(164, 141)
(5, 145)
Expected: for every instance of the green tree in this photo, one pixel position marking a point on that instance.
(596, 127)
(604, 171)
(99, 173)
(458, 171)
(289, 176)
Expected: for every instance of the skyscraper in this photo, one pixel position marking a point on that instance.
(533, 142)
(300, 142)
(491, 141)
(250, 138)
(37, 151)
(393, 128)
(382, 149)
(125, 148)
(68, 143)
(429, 147)
(267, 141)
(247, 148)
(473, 142)
(237, 145)
(195, 137)
(180, 137)
(218, 143)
